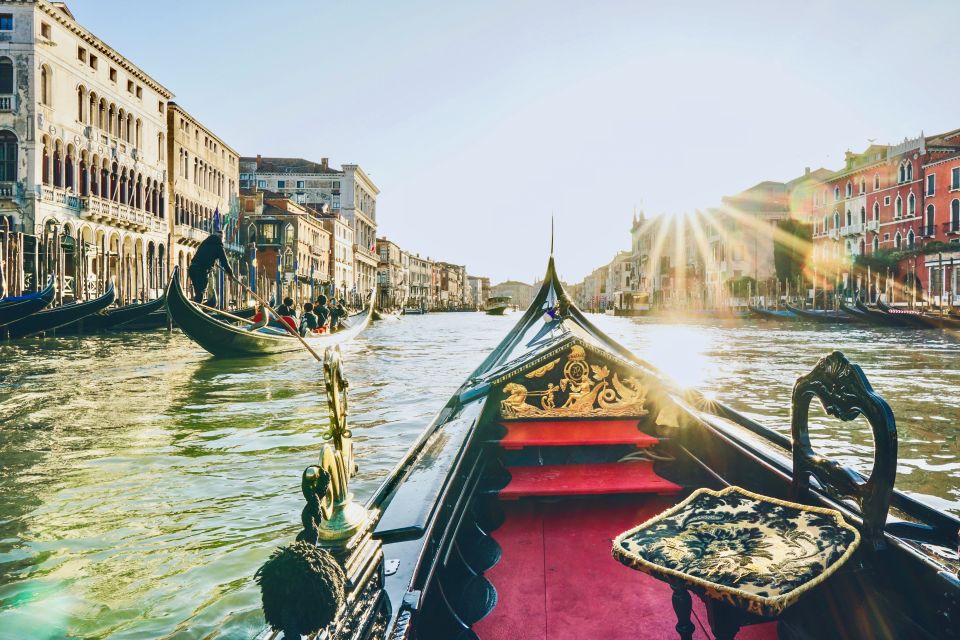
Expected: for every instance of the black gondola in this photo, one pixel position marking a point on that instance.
(855, 313)
(118, 317)
(774, 314)
(499, 521)
(61, 316)
(884, 319)
(825, 316)
(918, 319)
(16, 308)
(221, 338)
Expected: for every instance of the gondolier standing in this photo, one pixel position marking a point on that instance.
(208, 253)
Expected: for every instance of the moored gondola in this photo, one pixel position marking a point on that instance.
(824, 316)
(50, 319)
(774, 314)
(918, 319)
(498, 522)
(119, 317)
(224, 339)
(885, 319)
(16, 308)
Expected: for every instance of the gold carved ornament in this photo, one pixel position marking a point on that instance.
(589, 390)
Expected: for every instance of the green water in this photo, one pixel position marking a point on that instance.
(142, 482)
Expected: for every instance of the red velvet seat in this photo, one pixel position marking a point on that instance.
(585, 479)
(574, 433)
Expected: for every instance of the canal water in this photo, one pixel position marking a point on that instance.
(143, 482)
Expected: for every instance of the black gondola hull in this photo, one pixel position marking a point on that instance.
(226, 340)
(14, 310)
(61, 316)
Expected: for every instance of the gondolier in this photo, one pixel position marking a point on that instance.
(208, 253)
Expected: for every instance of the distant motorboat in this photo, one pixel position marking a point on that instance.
(498, 305)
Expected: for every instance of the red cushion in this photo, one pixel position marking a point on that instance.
(292, 322)
(586, 479)
(569, 432)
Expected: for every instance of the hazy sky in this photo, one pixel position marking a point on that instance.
(479, 119)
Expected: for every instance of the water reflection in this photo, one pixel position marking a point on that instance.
(144, 482)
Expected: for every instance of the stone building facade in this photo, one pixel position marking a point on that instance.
(341, 256)
(348, 191)
(83, 136)
(421, 280)
(204, 179)
(393, 287)
(289, 246)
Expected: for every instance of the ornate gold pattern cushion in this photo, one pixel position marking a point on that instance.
(754, 552)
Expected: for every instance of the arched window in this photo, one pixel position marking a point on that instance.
(836, 193)
(849, 188)
(836, 219)
(863, 185)
(8, 157)
(902, 175)
(161, 149)
(863, 215)
(288, 234)
(910, 238)
(849, 218)
(876, 181)
(955, 216)
(909, 171)
(929, 221)
(6, 76)
(897, 240)
(876, 243)
(898, 209)
(911, 205)
(81, 101)
(876, 210)
(46, 94)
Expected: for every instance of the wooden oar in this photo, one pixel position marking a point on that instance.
(287, 326)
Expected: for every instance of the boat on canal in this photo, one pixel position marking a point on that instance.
(60, 316)
(824, 316)
(228, 336)
(133, 315)
(919, 319)
(13, 308)
(884, 319)
(569, 489)
(783, 315)
(497, 305)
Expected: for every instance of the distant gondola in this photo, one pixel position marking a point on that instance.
(499, 521)
(115, 318)
(825, 316)
(221, 338)
(885, 319)
(61, 316)
(918, 319)
(16, 308)
(772, 314)
(856, 314)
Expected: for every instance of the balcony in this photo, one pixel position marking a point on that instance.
(951, 228)
(8, 189)
(851, 229)
(872, 225)
(60, 197)
(364, 252)
(926, 231)
(833, 234)
(190, 236)
(115, 214)
(7, 102)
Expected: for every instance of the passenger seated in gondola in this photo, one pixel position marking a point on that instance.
(309, 322)
(322, 311)
(259, 319)
(336, 315)
(286, 309)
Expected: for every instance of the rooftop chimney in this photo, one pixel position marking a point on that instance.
(259, 160)
(806, 171)
(325, 163)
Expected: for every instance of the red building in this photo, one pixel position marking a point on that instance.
(941, 172)
(883, 198)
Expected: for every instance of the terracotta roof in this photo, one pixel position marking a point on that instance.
(289, 165)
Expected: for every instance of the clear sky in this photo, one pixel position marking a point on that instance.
(479, 119)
